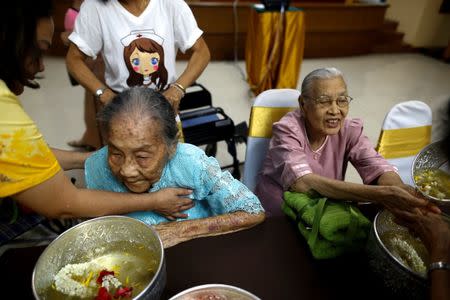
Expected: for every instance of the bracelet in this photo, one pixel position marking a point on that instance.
(179, 87)
(439, 265)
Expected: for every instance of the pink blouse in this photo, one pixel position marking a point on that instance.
(290, 157)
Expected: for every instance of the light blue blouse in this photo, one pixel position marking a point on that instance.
(214, 192)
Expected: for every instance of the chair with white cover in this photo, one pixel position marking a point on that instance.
(406, 130)
(269, 107)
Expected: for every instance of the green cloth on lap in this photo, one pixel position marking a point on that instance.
(342, 227)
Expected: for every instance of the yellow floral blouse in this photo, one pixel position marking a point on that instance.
(25, 158)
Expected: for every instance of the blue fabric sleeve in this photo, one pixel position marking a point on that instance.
(223, 193)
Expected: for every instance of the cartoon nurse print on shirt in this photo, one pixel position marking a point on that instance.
(144, 58)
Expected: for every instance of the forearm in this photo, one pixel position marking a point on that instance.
(78, 68)
(58, 197)
(339, 190)
(176, 232)
(70, 159)
(197, 63)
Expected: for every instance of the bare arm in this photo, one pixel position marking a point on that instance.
(392, 197)
(176, 232)
(197, 63)
(78, 68)
(70, 159)
(58, 197)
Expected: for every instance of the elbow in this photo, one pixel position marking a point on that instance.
(259, 218)
(207, 54)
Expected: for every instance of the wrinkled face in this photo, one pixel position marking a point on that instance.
(44, 34)
(324, 119)
(144, 63)
(137, 152)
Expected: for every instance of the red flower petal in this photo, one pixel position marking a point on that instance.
(103, 294)
(124, 292)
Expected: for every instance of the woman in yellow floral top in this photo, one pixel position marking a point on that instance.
(30, 172)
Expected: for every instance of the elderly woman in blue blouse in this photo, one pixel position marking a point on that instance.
(143, 155)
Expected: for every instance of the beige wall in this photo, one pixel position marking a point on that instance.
(421, 22)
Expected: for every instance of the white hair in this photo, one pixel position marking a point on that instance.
(322, 73)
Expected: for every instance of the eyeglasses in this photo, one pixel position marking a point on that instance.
(327, 101)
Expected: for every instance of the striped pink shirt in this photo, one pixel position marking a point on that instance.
(290, 157)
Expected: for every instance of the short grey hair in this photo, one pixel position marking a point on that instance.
(318, 74)
(140, 103)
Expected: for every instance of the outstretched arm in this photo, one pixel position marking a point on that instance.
(391, 196)
(176, 232)
(57, 197)
(78, 68)
(70, 159)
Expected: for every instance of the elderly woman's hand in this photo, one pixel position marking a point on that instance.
(397, 198)
(172, 201)
(432, 229)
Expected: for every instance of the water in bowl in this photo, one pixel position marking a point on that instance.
(134, 265)
(433, 182)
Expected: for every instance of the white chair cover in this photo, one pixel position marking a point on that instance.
(416, 117)
(256, 145)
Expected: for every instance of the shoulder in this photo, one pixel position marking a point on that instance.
(187, 151)
(97, 160)
(353, 126)
(291, 120)
(291, 124)
(11, 110)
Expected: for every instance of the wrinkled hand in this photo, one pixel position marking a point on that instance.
(172, 201)
(173, 95)
(415, 193)
(400, 199)
(432, 229)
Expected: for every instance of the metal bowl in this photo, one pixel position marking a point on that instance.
(91, 236)
(431, 157)
(215, 292)
(404, 282)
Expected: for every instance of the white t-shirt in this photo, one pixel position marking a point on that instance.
(136, 50)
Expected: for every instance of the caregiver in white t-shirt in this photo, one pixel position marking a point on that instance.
(139, 40)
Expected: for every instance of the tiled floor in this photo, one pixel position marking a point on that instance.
(377, 82)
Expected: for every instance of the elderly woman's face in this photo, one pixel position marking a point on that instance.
(137, 152)
(325, 118)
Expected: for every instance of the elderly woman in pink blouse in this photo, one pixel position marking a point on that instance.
(311, 147)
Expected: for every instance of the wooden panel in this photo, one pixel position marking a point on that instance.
(335, 44)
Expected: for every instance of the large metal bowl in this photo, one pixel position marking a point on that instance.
(89, 236)
(431, 157)
(216, 292)
(404, 282)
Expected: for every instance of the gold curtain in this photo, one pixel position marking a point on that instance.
(274, 49)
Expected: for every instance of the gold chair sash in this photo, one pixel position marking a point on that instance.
(404, 142)
(262, 118)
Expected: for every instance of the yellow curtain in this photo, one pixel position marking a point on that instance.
(274, 49)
